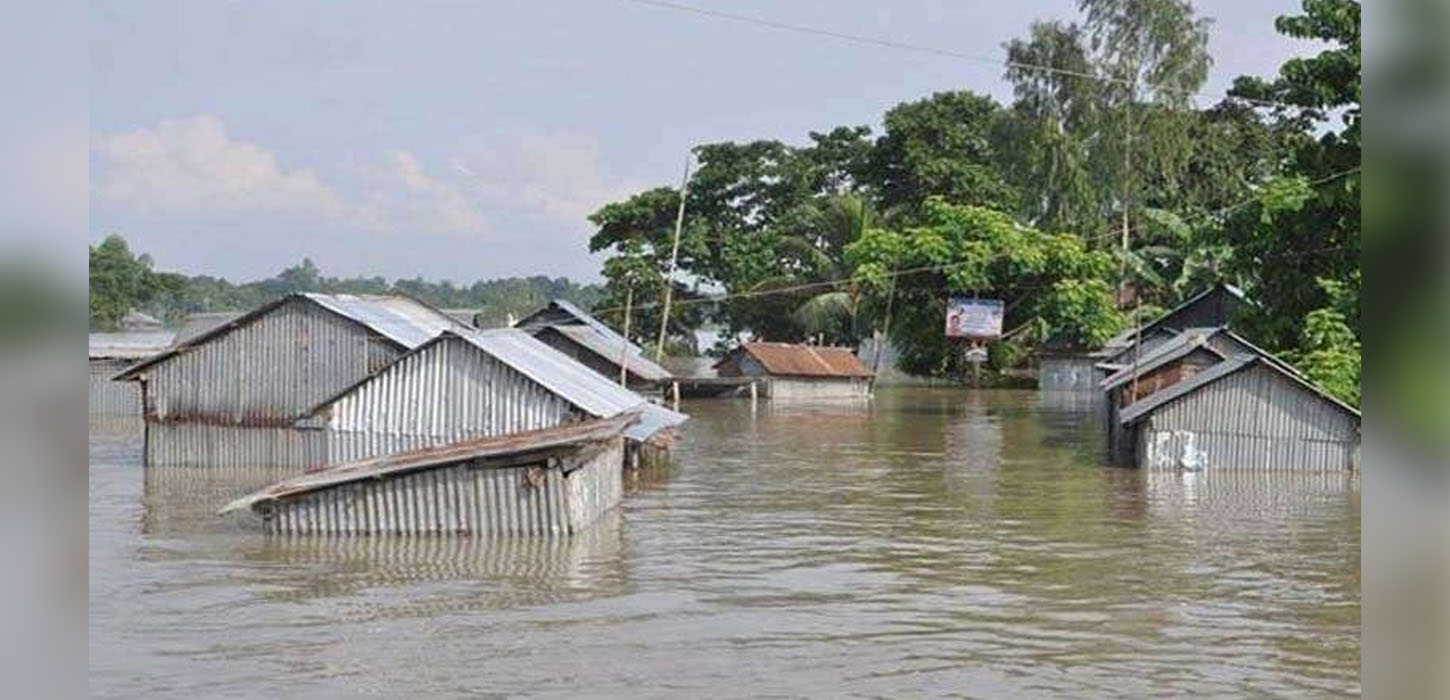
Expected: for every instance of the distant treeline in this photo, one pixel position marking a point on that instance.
(120, 281)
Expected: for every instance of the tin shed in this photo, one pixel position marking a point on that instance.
(228, 397)
(468, 384)
(1245, 412)
(798, 371)
(554, 481)
(1065, 368)
(574, 332)
(110, 353)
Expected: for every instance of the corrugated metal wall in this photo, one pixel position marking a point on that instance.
(1253, 419)
(112, 399)
(234, 448)
(268, 371)
(448, 392)
(824, 388)
(1069, 374)
(463, 498)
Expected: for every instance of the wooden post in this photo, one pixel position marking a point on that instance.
(674, 258)
(675, 394)
(624, 351)
(753, 394)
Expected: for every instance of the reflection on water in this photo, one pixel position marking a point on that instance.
(926, 542)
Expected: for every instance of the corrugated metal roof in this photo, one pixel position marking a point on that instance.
(132, 345)
(652, 419)
(1126, 338)
(558, 372)
(786, 359)
(612, 348)
(199, 323)
(578, 316)
(1181, 345)
(495, 446)
(1140, 409)
(404, 320)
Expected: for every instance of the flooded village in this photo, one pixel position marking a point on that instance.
(378, 444)
(1042, 385)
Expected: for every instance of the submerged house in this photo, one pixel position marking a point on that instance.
(572, 331)
(789, 371)
(467, 384)
(1066, 367)
(551, 481)
(203, 322)
(1247, 411)
(228, 396)
(110, 353)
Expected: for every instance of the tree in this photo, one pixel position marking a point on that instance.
(1102, 122)
(941, 147)
(1153, 55)
(1298, 242)
(1051, 128)
(119, 282)
(1051, 282)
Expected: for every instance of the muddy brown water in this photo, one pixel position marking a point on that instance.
(928, 543)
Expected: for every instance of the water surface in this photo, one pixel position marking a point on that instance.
(928, 543)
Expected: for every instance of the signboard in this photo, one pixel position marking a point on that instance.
(974, 318)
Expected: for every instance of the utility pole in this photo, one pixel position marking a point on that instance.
(674, 258)
(624, 351)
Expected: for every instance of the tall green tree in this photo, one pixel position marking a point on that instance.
(1051, 283)
(121, 281)
(1297, 244)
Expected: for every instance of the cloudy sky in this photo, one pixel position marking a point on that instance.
(468, 140)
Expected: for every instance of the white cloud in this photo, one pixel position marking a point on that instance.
(556, 177)
(186, 166)
(193, 167)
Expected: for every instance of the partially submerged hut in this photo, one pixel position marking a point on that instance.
(1169, 363)
(551, 481)
(467, 384)
(110, 353)
(788, 371)
(140, 322)
(203, 322)
(1063, 366)
(1248, 411)
(574, 332)
(229, 396)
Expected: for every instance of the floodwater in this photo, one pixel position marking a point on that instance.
(929, 543)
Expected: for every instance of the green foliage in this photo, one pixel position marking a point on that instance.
(120, 281)
(1052, 283)
(941, 147)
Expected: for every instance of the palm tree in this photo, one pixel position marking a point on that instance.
(839, 221)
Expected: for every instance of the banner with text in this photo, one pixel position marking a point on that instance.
(974, 318)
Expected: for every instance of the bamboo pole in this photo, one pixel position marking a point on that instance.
(674, 259)
(624, 351)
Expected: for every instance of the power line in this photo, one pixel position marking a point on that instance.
(936, 51)
(1232, 207)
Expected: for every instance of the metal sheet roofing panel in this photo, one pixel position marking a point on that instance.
(612, 348)
(201, 323)
(1182, 345)
(494, 446)
(131, 345)
(806, 360)
(558, 372)
(406, 321)
(1148, 404)
(653, 419)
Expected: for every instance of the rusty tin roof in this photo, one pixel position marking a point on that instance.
(785, 359)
